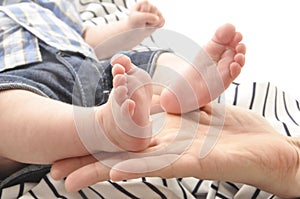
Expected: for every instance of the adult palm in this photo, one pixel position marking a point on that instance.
(220, 143)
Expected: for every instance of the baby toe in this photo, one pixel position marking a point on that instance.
(120, 94)
(119, 80)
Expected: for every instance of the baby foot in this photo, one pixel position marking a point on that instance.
(125, 119)
(209, 75)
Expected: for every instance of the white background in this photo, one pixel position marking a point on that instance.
(270, 29)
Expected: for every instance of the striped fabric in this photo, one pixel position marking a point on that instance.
(94, 13)
(282, 111)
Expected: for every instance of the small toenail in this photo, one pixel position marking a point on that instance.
(116, 56)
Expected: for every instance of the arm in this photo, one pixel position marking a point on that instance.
(125, 34)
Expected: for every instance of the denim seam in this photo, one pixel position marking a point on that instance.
(104, 83)
(77, 79)
(153, 61)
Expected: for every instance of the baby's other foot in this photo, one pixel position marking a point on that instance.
(212, 71)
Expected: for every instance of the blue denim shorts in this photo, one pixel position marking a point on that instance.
(68, 77)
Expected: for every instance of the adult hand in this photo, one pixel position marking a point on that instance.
(248, 150)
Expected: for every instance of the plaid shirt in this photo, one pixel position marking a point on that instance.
(24, 22)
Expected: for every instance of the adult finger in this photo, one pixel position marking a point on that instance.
(62, 168)
(86, 176)
(94, 172)
(165, 166)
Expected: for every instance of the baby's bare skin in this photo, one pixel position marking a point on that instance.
(209, 75)
(126, 117)
(49, 113)
(227, 54)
